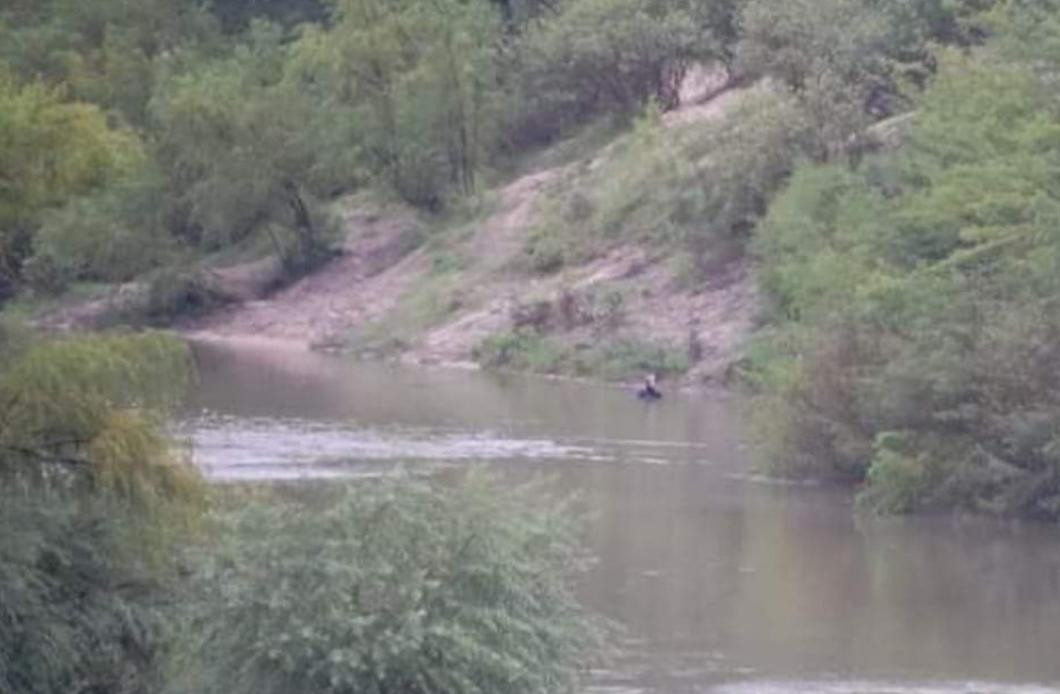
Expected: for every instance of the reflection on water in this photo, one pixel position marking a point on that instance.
(726, 583)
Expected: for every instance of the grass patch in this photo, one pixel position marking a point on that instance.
(429, 303)
(29, 305)
(698, 188)
(613, 359)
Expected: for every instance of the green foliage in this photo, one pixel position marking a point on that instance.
(240, 165)
(524, 349)
(830, 53)
(700, 187)
(106, 237)
(236, 15)
(916, 24)
(418, 76)
(915, 304)
(850, 62)
(78, 611)
(391, 586)
(622, 358)
(84, 412)
(601, 56)
(104, 52)
(50, 149)
(897, 480)
(614, 358)
(92, 501)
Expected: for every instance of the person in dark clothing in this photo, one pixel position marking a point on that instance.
(650, 390)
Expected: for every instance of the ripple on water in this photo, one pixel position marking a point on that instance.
(239, 448)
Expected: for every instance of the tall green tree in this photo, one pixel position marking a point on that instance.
(421, 76)
(603, 56)
(240, 143)
(829, 53)
(916, 349)
(50, 150)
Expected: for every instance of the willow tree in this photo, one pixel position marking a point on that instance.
(92, 496)
(84, 413)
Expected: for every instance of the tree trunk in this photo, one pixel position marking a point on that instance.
(303, 221)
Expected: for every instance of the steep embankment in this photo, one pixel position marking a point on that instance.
(427, 292)
(377, 297)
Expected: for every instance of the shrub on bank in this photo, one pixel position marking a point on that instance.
(915, 343)
(613, 358)
(388, 587)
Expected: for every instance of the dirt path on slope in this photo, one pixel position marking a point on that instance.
(360, 285)
(369, 280)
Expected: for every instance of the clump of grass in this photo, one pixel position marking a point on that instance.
(613, 359)
(426, 305)
(523, 349)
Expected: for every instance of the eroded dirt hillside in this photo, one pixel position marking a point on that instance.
(436, 301)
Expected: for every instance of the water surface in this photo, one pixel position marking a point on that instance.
(726, 582)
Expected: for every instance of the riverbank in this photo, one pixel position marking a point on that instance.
(466, 291)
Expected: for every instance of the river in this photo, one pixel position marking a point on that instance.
(724, 580)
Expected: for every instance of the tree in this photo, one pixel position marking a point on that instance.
(239, 143)
(50, 150)
(600, 56)
(84, 411)
(104, 53)
(92, 499)
(421, 77)
(916, 346)
(830, 53)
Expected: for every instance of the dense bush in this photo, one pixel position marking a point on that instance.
(390, 586)
(916, 342)
(80, 612)
(92, 501)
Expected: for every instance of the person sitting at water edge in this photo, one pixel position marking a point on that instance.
(649, 391)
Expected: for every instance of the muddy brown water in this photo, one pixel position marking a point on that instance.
(725, 581)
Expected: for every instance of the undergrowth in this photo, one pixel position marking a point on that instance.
(696, 188)
(612, 358)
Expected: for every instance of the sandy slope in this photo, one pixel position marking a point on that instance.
(367, 282)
